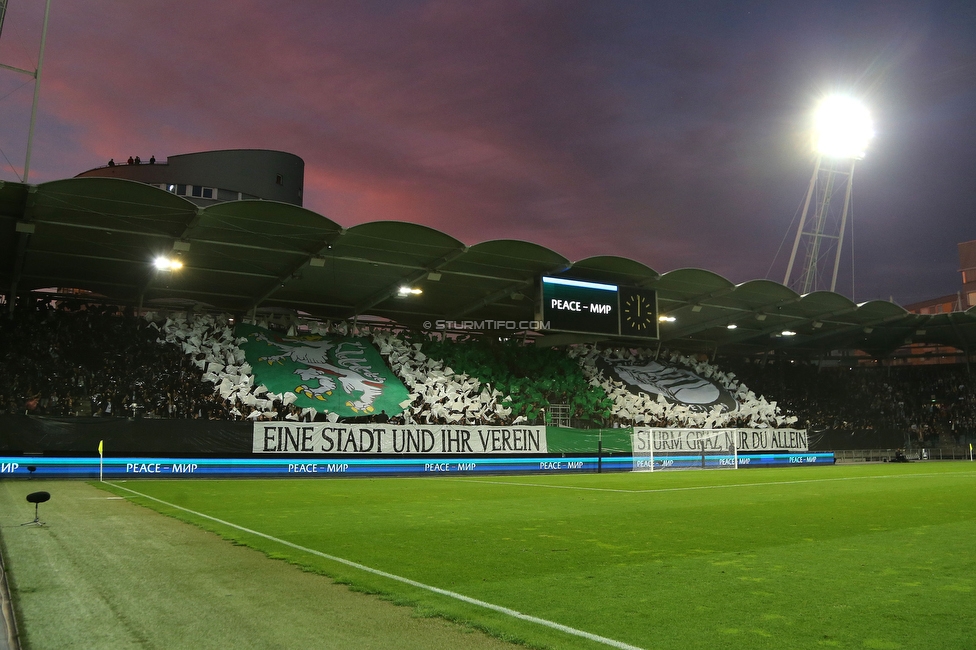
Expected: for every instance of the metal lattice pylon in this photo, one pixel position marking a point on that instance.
(822, 234)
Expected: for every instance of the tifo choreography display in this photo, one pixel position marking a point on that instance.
(183, 394)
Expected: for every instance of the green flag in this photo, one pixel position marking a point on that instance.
(342, 374)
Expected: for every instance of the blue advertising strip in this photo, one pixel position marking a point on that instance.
(745, 460)
(140, 467)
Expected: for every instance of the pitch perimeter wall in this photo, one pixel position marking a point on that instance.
(148, 448)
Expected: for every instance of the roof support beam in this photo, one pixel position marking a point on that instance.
(853, 327)
(680, 333)
(752, 334)
(695, 300)
(39, 279)
(153, 273)
(799, 320)
(508, 290)
(258, 247)
(205, 294)
(323, 248)
(108, 229)
(391, 290)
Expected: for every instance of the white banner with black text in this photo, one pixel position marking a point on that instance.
(662, 441)
(331, 438)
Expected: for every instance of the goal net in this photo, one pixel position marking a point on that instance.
(659, 449)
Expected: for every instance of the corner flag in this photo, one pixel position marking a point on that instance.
(100, 457)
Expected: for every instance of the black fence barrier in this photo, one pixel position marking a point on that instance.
(27, 434)
(833, 439)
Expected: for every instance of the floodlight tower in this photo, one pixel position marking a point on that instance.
(842, 130)
(36, 73)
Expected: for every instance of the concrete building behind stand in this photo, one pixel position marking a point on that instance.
(967, 266)
(965, 297)
(210, 177)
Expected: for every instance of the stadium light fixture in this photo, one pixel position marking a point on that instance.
(842, 127)
(731, 326)
(408, 291)
(163, 263)
(788, 333)
(666, 319)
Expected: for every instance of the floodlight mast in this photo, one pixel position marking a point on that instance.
(843, 131)
(37, 81)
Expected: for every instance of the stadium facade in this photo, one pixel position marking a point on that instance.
(210, 177)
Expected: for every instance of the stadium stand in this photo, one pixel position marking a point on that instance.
(73, 359)
(928, 404)
(92, 360)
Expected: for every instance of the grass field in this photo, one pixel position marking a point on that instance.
(104, 574)
(872, 556)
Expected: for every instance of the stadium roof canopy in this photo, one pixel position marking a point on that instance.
(102, 235)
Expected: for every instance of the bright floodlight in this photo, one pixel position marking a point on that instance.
(166, 264)
(843, 127)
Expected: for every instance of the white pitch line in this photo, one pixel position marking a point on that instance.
(542, 485)
(413, 583)
(703, 487)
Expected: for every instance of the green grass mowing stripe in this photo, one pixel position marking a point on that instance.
(413, 583)
(108, 574)
(785, 564)
(700, 487)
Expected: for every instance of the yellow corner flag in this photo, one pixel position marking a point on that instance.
(100, 447)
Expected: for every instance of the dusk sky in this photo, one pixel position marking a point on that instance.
(673, 133)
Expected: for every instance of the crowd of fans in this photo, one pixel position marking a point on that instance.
(100, 361)
(91, 360)
(934, 404)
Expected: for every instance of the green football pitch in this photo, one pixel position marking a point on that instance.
(871, 556)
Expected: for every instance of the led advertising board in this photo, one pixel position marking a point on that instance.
(45, 467)
(595, 308)
(578, 306)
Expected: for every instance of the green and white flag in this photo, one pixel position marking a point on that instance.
(341, 374)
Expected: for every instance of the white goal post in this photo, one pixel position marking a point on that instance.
(657, 449)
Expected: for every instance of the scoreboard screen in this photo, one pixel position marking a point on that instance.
(578, 306)
(595, 308)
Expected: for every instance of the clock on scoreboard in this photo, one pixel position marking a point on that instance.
(587, 307)
(638, 312)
